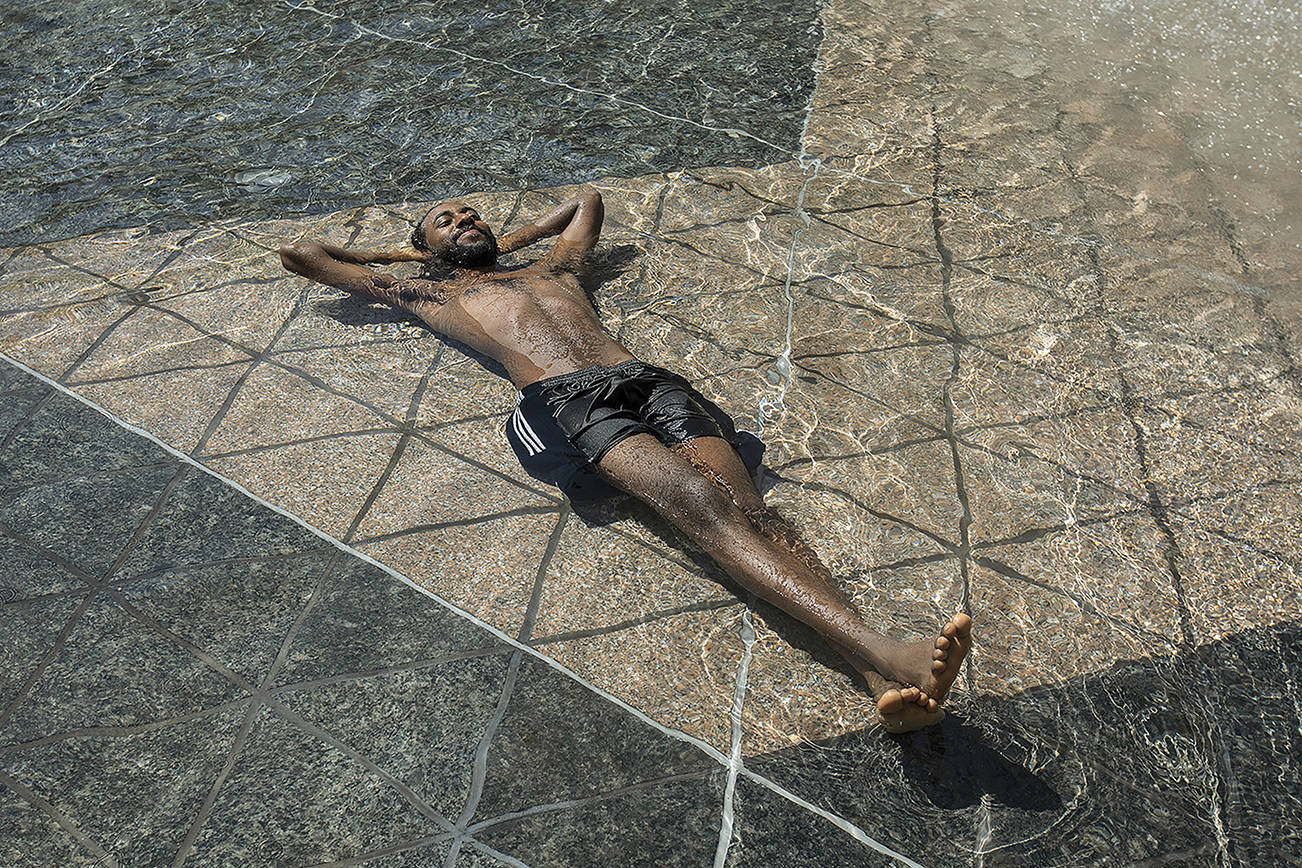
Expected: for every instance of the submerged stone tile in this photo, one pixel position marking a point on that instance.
(28, 630)
(850, 540)
(239, 613)
(133, 793)
(637, 566)
(302, 448)
(1113, 568)
(177, 407)
(292, 798)
(912, 484)
(1232, 584)
(854, 375)
(1019, 480)
(278, 406)
(363, 619)
(203, 519)
(874, 85)
(680, 670)
(460, 388)
(429, 486)
(494, 582)
(384, 376)
(415, 856)
(114, 671)
(674, 822)
(1207, 446)
(65, 439)
(86, 521)
(36, 839)
(324, 482)
(420, 725)
(27, 574)
(769, 830)
(1028, 635)
(150, 342)
(559, 742)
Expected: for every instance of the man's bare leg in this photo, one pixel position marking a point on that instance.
(902, 708)
(708, 515)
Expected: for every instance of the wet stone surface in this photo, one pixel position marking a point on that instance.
(244, 109)
(1021, 338)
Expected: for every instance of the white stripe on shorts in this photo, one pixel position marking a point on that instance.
(532, 443)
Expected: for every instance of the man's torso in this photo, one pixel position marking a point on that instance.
(537, 323)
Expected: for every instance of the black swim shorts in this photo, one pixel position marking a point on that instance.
(562, 426)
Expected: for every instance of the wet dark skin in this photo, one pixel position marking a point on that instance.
(537, 322)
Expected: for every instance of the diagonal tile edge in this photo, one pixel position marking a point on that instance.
(345, 548)
(710, 751)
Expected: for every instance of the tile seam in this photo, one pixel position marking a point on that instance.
(727, 813)
(479, 768)
(505, 638)
(840, 822)
(102, 857)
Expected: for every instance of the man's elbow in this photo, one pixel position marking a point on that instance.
(295, 256)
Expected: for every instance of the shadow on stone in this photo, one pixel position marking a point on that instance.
(1146, 760)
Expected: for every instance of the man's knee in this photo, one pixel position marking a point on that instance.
(702, 502)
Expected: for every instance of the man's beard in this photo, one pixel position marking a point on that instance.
(482, 252)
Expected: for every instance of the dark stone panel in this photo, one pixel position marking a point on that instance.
(674, 823)
(292, 799)
(422, 725)
(66, 439)
(32, 839)
(470, 856)
(25, 574)
(1132, 764)
(132, 793)
(769, 830)
(560, 741)
(417, 857)
(367, 620)
(27, 632)
(204, 519)
(164, 113)
(239, 613)
(85, 521)
(15, 380)
(1249, 687)
(15, 406)
(114, 671)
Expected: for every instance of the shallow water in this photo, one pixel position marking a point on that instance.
(1009, 290)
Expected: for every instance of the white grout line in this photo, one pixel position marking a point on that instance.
(747, 633)
(344, 547)
(840, 822)
(705, 747)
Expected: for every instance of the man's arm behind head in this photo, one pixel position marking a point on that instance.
(577, 221)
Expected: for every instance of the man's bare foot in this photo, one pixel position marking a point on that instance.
(907, 709)
(948, 651)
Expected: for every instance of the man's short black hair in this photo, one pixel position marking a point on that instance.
(418, 239)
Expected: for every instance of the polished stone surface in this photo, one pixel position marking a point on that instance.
(248, 109)
(1008, 290)
(234, 689)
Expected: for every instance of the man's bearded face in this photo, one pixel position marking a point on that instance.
(469, 246)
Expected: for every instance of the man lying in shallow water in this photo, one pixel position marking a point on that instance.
(591, 415)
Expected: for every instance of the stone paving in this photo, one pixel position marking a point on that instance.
(1014, 349)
